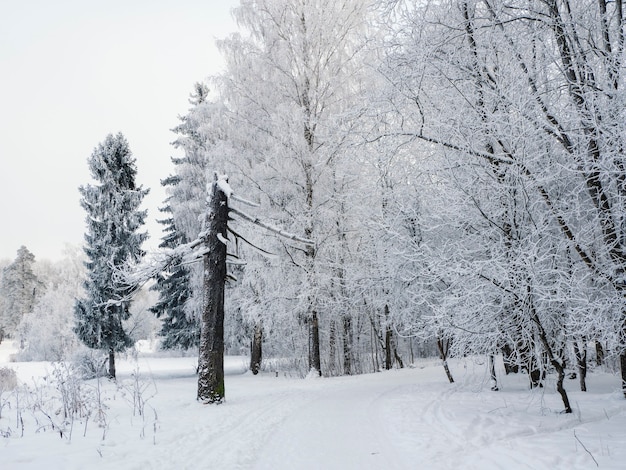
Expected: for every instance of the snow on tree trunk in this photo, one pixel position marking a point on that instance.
(211, 356)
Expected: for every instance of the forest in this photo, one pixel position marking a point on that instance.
(457, 164)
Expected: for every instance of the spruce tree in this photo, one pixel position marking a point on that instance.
(112, 239)
(174, 287)
(19, 289)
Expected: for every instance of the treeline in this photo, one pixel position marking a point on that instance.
(459, 165)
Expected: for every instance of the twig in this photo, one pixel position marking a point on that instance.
(586, 450)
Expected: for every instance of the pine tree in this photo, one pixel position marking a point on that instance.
(112, 239)
(19, 289)
(174, 287)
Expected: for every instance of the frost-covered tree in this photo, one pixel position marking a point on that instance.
(112, 240)
(523, 103)
(47, 330)
(19, 290)
(290, 83)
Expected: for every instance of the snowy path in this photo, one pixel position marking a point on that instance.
(312, 438)
(397, 420)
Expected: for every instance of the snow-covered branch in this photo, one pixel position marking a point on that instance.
(271, 228)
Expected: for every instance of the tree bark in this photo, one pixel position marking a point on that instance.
(492, 373)
(622, 354)
(112, 371)
(557, 363)
(443, 345)
(599, 353)
(388, 340)
(580, 351)
(256, 349)
(388, 361)
(315, 363)
(332, 348)
(347, 344)
(211, 357)
(622, 361)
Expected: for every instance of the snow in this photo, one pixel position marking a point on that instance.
(222, 184)
(400, 419)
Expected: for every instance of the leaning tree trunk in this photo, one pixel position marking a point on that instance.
(557, 363)
(211, 356)
(443, 345)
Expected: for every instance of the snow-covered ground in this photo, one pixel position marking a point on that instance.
(401, 419)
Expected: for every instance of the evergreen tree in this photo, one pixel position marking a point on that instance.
(180, 288)
(178, 329)
(112, 239)
(20, 288)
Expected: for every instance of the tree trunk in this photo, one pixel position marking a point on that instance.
(622, 355)
(534, 374)
(111, 364)
(332, 348)
(211, 356)
(256, 351)
(530, 363)
(315, 363)
(443, 346)
(347, 345)
(388, 340)
(397, 357)
(599, 353)
(581, 360)
(557, 363)
(373, 347)
(622, 362)
(388, 361)
(492, 373)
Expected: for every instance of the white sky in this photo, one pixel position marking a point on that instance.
(73, 71)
